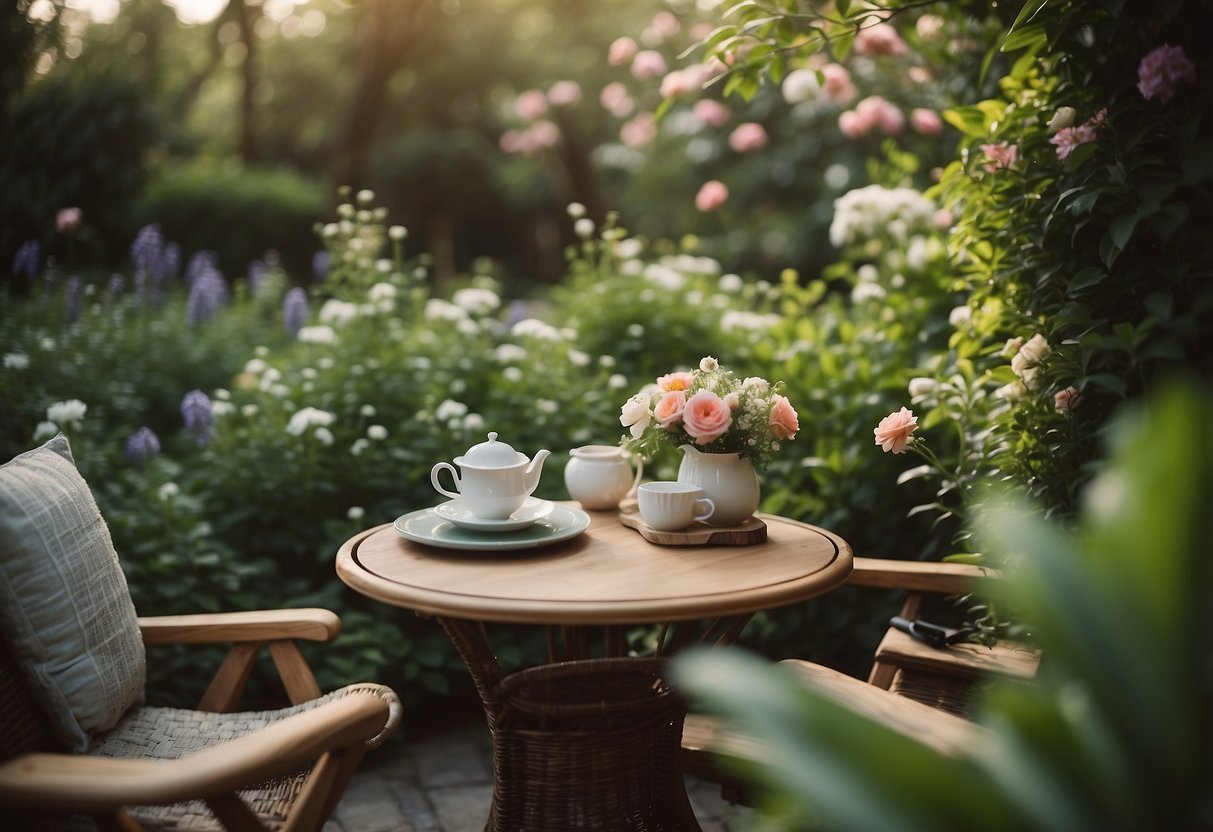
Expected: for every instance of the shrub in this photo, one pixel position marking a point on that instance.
(236, 212)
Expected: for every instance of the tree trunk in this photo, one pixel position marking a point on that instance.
(246, 18)
(387, 32)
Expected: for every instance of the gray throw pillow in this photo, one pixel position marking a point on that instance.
(64, 604)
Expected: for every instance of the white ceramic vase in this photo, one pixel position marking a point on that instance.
(728, 480)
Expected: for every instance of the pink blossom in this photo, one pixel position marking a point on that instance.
(615, 99)
(837, 85)
(929, 26)
(510, 141)
(669, 409)
(67, 219)
(1067, 399)
(648, 65)
(638, 131)
(876, 111)
(853, 124)
(531, 105)
(1001, 155)
(664, 26)
(1068, 138)
(564, 94)
(943, 219)
(880, 39)
(706, 417)
(621, 51)
(919, 74)
(1161, 71)
(747, 137)
(893, 432)
(712, 195)
(675, 381)
(711, 112)
(783, 421)
(927, 122)
(676, 83)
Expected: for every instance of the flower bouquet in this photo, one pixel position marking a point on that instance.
(711, 409)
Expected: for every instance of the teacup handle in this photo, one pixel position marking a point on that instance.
(710, 506)
(454, 475)
(639, 470)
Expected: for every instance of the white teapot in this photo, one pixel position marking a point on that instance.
(495, 481)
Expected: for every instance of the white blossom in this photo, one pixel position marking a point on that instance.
(318, 335)
(306, 418)
(450, 409)
(168, 491)
(67, 414)
(376, 432)
(16, 361)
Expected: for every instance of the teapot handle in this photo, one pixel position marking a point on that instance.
(639, 470)
(454, 475)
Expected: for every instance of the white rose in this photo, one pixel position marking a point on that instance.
(636, 414)
(1063, 118)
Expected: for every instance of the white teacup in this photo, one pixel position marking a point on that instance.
(670, 506)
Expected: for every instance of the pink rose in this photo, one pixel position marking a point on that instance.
(638, 131)
(676, 83)
(1001, 155)
(67, 219)
(564, 94)
(648, 65)
(706, 417)
(784, 422)
(1066, 399)
(621, 51)
(747, 137)
(1161, 71)
(711, 112)
(530, 105)
(927, 122)
(669, 409)
(854, 124)
(675, 381)
(837, 85)
(712, 195)
(893, 432)
(615, 99)
(881, 39)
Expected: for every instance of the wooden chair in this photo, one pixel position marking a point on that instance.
(79, 749)
(174, 768)
(921, 691)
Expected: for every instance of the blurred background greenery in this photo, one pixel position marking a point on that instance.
(366, 233)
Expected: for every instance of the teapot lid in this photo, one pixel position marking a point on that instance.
(491, 454)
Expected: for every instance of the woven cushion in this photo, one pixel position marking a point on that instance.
(64, 604)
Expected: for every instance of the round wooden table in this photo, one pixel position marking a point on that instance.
(587, 591)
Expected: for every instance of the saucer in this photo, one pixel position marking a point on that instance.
(426, 526)
(531, 510)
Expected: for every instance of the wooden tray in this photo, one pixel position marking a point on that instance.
(697, 534)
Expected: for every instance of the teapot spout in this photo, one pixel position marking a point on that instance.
(533, 470)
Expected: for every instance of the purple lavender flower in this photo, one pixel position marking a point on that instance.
(170, 263)
(28, 259)
(141, 445)
(208, 293)
(200, 262)
(321, 262)
(294, 310)
(256, 274)
(147, 249)
(117, 286)
(73, 299)
(196, 411)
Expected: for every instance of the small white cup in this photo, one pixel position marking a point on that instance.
(670, 506)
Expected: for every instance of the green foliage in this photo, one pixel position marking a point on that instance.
(239, 213)
(73, 142)
(1115, 733)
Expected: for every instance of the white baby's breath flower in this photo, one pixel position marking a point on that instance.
(168, 491)
(508, 353)
(336, 312)
(381, 292)
(317, 335)
(477, 301)
(306, 418)
(16, 361)
(535, 328)
(376, 432)
(437, 309)
(67, 414)
(467, 327)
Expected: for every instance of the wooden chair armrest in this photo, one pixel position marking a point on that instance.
(252, 626)
(1007, 658)
(917, 576)
(80, 783)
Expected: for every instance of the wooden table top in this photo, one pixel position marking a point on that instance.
(608, 574)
